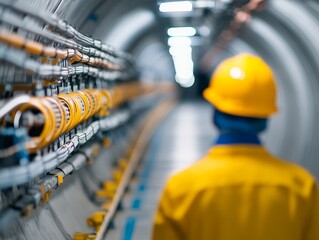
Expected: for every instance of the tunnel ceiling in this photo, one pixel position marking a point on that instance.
(277, 34)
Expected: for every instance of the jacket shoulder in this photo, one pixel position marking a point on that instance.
(301, 180)
(277, 173)
(187, 179)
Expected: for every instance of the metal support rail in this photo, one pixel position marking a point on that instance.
(134, 158)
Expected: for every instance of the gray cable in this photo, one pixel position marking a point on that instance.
(12, 19)
(18, 175)
(64, 28)
(33, 196)
(22, 60)
(12, 104)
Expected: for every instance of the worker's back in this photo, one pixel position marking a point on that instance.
(239, 193)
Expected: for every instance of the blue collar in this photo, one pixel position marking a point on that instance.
(238, 138)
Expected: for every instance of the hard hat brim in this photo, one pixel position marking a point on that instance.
(238, 109)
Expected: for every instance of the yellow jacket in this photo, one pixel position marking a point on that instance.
(239, 192)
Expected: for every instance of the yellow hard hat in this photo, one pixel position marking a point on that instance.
(243, 85)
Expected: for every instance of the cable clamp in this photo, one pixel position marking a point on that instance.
(107, 142)
(46, 197)
(60, 179)
(117, 175)
(108, 190)
(84, 236)
(96, 220)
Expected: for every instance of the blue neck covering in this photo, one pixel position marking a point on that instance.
(237, 138)
(238, 130)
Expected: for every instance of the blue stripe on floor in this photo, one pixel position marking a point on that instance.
(129, 228)
(141, 187)
(136, 204)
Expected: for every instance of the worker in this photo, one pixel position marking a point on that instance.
(240, 191)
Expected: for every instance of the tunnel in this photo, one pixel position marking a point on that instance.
(101, 101)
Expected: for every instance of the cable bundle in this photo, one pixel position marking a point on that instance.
(61, 114)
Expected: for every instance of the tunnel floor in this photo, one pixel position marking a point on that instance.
(182, 138)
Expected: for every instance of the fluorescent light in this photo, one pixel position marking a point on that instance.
(183, 76)
(205, 4)
(184, 68)
(204, 31)
(178, 41)
(181, 31)
(180, 6)
(186, 82)
(183, 65)
(180, 50)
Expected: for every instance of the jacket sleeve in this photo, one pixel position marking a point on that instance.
(312, 226)
(165, 227)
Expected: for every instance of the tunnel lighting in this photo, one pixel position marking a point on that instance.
(180, 50)
(204, 31)
(180, 6)
(186, 82)
(205, 4)
(183, 66)
(181, 31)
(184, 74)
(178, 41)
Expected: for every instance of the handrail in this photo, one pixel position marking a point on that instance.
(138, 149)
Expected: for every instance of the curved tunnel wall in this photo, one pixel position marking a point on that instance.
(291, 48)
(277, 34)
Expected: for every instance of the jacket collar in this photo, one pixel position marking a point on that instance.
(242, 138)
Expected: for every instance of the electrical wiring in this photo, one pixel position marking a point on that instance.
(11, 19)
(38, 49)
(56, 165)
(49, 125)
(90, 104)
(22, 60)
(66, 111)
(18, 175)
(65, 29)
(59, 114)
(35, 195)
(69, 110)
(84, 95)
(10, 105)
(65, 161)
(126, 92)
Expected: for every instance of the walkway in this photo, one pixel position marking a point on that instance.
(183, 138)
